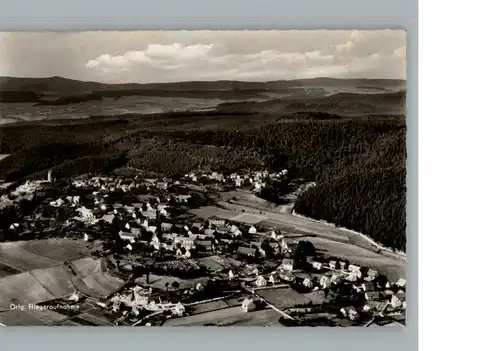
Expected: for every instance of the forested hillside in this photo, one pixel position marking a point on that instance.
(357, 163)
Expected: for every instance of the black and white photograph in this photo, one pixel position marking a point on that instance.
(203, 178)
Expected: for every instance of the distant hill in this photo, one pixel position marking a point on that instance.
(61, 86)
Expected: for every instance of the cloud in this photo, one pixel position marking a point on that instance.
(166, 56)
(359, 55)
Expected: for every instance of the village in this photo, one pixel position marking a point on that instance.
(171, 266)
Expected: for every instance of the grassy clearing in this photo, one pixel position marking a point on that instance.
(233, 316)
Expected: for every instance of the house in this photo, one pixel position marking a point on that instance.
(200, 287)
(332, 264)
(336, 278)
(85, 237)
(287, 276)
(354, 268)
(127, 236)
(179, 309)
(235, 230)
(248, 305)
(258, 246)
(401, 296)
(216, 222)
(352, 277)
(325, 282)
(186, 243)
(317, 265)
(307, 283)
(152, 229)
(401, 283)
(129, 247)
(342, 265)
(206, 245)
(368, 286)
(261, 281)
(372, 296)
(183, 198)
(247, 251)
(350, 312)
(155, 244)
(273, 278)
(287, 264)
(276, 247)
(230, 274)
(372, 273)
(238, 182)
(136, 231)
(150, 213)
(166, 227)
(395, 302)
(252, 230)
(108, 218)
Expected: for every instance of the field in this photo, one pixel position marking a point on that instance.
(30, 318)
(56, 280)
(208, 306)
(5, 270)
(35, 254)
(58, 249)
(12, 254)
(211, 211)
(233, 316)
(282, 297)
(159, 281)
(22, 288)
(214, 263)
(33, 272)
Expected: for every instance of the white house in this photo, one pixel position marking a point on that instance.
(335, 278)
(129, 247)
(231, 275)
(127, 236)
(332, 264)
(308, 283)
(179, 309)
(252, 230)
(273, 278)
(261, 281)
(401, 283)
(85, 237)
(396, 302)
(248, 305)
(287, 264)
(238, 182)
(325, 282)
(352, 277)
(354, 268)
(350, 312)
(317, 265)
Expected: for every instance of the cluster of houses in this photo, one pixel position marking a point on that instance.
(150, 222)
(255, 180)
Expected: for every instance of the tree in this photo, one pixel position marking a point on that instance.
(175, 285)
(166, 285)
(303, 250)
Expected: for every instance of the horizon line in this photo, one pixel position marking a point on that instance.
(204, 81)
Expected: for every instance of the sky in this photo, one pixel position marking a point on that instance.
(172, 56)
